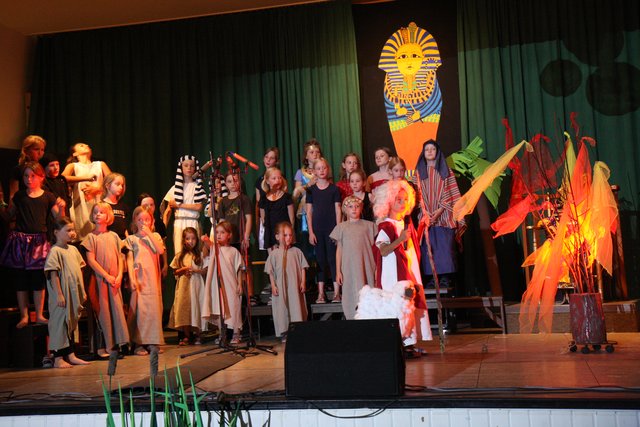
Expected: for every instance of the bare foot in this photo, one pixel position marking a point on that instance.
(74, 360)
(60, 363)
(22, 323)
(41, 320)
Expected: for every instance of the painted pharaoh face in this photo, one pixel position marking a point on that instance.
(409, 58)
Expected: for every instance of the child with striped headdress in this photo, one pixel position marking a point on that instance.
(186, 199)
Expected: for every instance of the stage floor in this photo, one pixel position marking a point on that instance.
(476, 370)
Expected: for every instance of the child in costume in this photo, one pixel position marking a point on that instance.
(355, 265)
(143, 264)
(66, 294)
(439, 194)
(186, 199)
(396, 255)
(379, 177)
(105, 259)
(188, 268)
(85, 176)
(286, 267)
(350, 162)
(230, 295)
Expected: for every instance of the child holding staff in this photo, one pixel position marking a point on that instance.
(231, 266)
(355, 266)
(66, 293)
(286, 267)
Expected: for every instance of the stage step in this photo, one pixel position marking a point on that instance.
(619, 316)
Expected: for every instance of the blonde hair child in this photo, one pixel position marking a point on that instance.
(323, 213)
(276, 206)
(105, 259)
(355, 265)
(286, 267)
(143, 262)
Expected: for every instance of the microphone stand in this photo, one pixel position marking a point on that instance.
(223, 343)
(247, 281)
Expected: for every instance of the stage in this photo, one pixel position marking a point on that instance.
(477, 372)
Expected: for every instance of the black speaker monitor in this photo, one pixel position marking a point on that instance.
(344, 359)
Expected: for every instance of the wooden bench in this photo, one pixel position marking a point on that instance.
(326, 309)
(493, 307)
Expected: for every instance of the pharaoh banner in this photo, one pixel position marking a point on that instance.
(411, 93)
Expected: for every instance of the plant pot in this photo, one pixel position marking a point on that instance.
(587, 318)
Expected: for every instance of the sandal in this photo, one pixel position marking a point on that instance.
(102, 353)
(140, 351)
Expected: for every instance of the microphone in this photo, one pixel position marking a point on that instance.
(207, 166)
(230, 162)
(244, 160)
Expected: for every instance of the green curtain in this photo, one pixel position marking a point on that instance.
(141, 96)
(536, 62)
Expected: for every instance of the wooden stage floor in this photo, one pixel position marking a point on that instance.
(476, 370)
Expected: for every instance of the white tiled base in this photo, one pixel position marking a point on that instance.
(459, 417)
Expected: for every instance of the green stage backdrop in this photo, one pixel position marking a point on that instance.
(141, 96)
(536, 62)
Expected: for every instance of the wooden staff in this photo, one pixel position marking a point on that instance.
(423, 231)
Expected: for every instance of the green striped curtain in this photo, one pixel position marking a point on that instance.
(141, 96)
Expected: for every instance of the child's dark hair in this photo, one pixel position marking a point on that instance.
(58, 225)
(143, 196)
(195, 251)
(362, 174)
(275, 151)
(35, 167)
(343, 171)
(307, 145)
